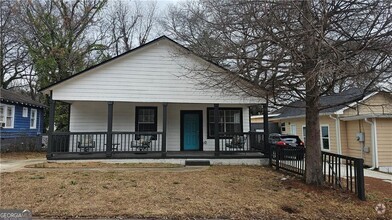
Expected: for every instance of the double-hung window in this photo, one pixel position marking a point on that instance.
(7, 115)
(33, 118)
(146, 119)
(324, 137)
(230, 121)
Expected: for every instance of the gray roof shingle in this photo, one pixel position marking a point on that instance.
(14, 97)
(337, 101)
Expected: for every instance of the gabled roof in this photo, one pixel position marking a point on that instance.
(128, 52)
(17, 98)
(337, 102)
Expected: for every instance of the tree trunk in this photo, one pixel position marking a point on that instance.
(313, 163)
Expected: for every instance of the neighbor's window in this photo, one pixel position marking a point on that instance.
(7, 113)
(283, 127)
(325, 137)
(229, 121)
(25, 112)
(146, 119)
(33, 118)
(304, 133)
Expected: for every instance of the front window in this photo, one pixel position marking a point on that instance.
(146, 119)
(325, 137)
(229, 121)
(33, 118)
(7, 113)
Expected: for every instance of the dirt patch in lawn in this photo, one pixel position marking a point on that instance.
(102, 165)
(22, 155)
(240, 192)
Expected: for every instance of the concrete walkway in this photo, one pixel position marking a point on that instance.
(16, 165)
(379, 175)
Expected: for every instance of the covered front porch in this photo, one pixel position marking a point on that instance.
(127, 130)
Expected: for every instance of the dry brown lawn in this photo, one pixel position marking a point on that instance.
(22, 155)
(239, 192)
(102, 165)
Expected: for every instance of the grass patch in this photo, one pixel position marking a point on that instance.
(239, 192)
(22, 155)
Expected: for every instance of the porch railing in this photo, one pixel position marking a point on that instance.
(93, 142)
(242, 142)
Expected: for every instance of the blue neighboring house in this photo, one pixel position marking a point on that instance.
(21, 122)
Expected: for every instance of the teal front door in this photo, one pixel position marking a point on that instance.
(191, 130)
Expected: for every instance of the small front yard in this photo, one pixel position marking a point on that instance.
(22, 155)
(216, 192)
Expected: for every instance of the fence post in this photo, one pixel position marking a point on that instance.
(360, 179)
(277, 150)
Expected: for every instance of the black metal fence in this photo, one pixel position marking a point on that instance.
(344, 172)
(340, 171)
(242, 142)
(93, 142)
(291, 159)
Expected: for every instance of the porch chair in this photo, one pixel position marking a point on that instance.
(143, 143)
(237, 142)
(86, 143)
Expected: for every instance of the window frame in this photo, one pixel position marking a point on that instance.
(5, 116)
(137, 117)
(35, 118)
(322, 138)
(291, 129)
(223, 108)
(25, 110)
(304, 133)
(283, 127)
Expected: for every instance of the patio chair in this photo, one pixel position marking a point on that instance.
(86, 143)
(143, 143)
(238, 141)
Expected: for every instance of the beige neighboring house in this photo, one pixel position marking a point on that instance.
(360, 129)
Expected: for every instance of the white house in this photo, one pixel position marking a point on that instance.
(149, 103)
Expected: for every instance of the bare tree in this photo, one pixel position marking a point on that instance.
(129, 23)
(13, 53)
(291, 50)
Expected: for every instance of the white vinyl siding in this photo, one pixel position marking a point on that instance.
(155, 73)
(7, 115)
(33, 118)
(92, 116)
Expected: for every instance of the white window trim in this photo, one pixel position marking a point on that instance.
(5, 115)
(321, 137)
(302, 131)
(23, 112)
(35, 120)
(291, 129)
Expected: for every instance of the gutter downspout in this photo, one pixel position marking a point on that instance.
(337, 128)
(373, 144)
